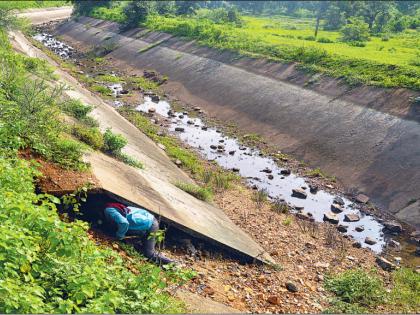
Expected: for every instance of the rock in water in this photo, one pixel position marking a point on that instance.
(351, 217)
(342, 228)
(362, 198)
(338, 200)
(180, 129)
(299, 193)
(331, 217)
(360, 228)
(370, 241)
(313, 188)
(286, 171)
(336, 208)
(385, 264)
(393, 227)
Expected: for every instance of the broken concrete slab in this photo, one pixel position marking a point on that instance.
(175, 206)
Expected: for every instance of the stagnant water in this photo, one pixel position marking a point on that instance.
(249, 163)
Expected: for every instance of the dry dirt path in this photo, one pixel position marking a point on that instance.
(39, 16)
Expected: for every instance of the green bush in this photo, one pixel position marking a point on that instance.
(76, 108)
(50, 266)
(114, 143)
(198, 192)
(325, 40)
(311, 38)
(357, 44)
(355, 290)
(129, 160)
(355, 31)
(91, 136)
(68, 153)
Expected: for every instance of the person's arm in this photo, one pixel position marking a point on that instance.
(122, 223)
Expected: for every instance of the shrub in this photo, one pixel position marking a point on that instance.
(325, 40)
(355, 31)
(311, 38)
(385, 38)
(355, 289)
(50, 266)
(68, 153)
(91, 136)
(357, 44)
(101, 89)
(113, 143)
(198, 192)
(76, 108)
(129, 160)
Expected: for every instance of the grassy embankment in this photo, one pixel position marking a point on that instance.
(24, 4)
(49, 265)
(391, 61)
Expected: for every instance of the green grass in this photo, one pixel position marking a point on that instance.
(101, 89)
(108, 78)
(389, 63)
(198, 192)
(22, 4)
(358, 291)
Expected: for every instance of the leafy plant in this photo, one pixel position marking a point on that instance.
(91, 136)
(198, 192)
(76, 108)
(114, 143)
(355, 31)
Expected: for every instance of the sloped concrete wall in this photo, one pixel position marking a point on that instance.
(373, 146)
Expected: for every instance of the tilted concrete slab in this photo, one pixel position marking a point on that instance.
(175, 206)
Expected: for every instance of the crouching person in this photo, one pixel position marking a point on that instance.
(139, 222)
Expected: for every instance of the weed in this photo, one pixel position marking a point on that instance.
(101, 89)
(356, 287)
(129, 160)
(287, 221)
(114, 143)
(279, 206)
(260, 197)
(315, 173)
(198, 192)
(108, 78)
(91, 136)
(76, 108)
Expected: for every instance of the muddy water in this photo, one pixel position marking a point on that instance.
(263, 173)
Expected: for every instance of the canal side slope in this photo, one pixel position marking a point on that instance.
(369, 138)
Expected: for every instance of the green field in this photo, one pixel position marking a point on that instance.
(20, 5)
(399, 49)
(390, 60)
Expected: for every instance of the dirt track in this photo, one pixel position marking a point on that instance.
(368, 146)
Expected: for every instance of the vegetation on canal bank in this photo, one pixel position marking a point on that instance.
(385, 55)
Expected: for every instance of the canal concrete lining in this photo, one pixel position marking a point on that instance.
(369, 147)
(152, 188)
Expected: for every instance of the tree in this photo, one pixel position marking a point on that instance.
(355, 31)
(334, 17)
(374, 8)
(321, 11)
(185, 7)
(85, 7)
(165, 7)
(136, 12)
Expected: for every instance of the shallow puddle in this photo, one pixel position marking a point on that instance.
(263, 172)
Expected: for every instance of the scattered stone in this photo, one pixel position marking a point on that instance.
(292, 287)
(320, 278)
(362, 198)
(124, 92)
(190, 122)
(360, 228)
(267, 170)
(331, 217)
(357, 245)
(370, 241)
(178, 162)
(394, 243)
(235, 169)
(221, 140)
(351, 217)
(417, 252)
(181, 116)
(303, 216)
(212, 146)
(160, 133)
(180, 129)
(152, 110)
(209, 290)
(155, 98)
(197, 109)
(285, 171)
(204, 128)
(221, 146)
(393, 227)
(321, 265)
(299, 193)
(385, 264)
(232, 152)
(397, 260)
(342, 228)
(313, 188)
(338, 200)
(336, 208)
(270, 176)
(274, 299)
